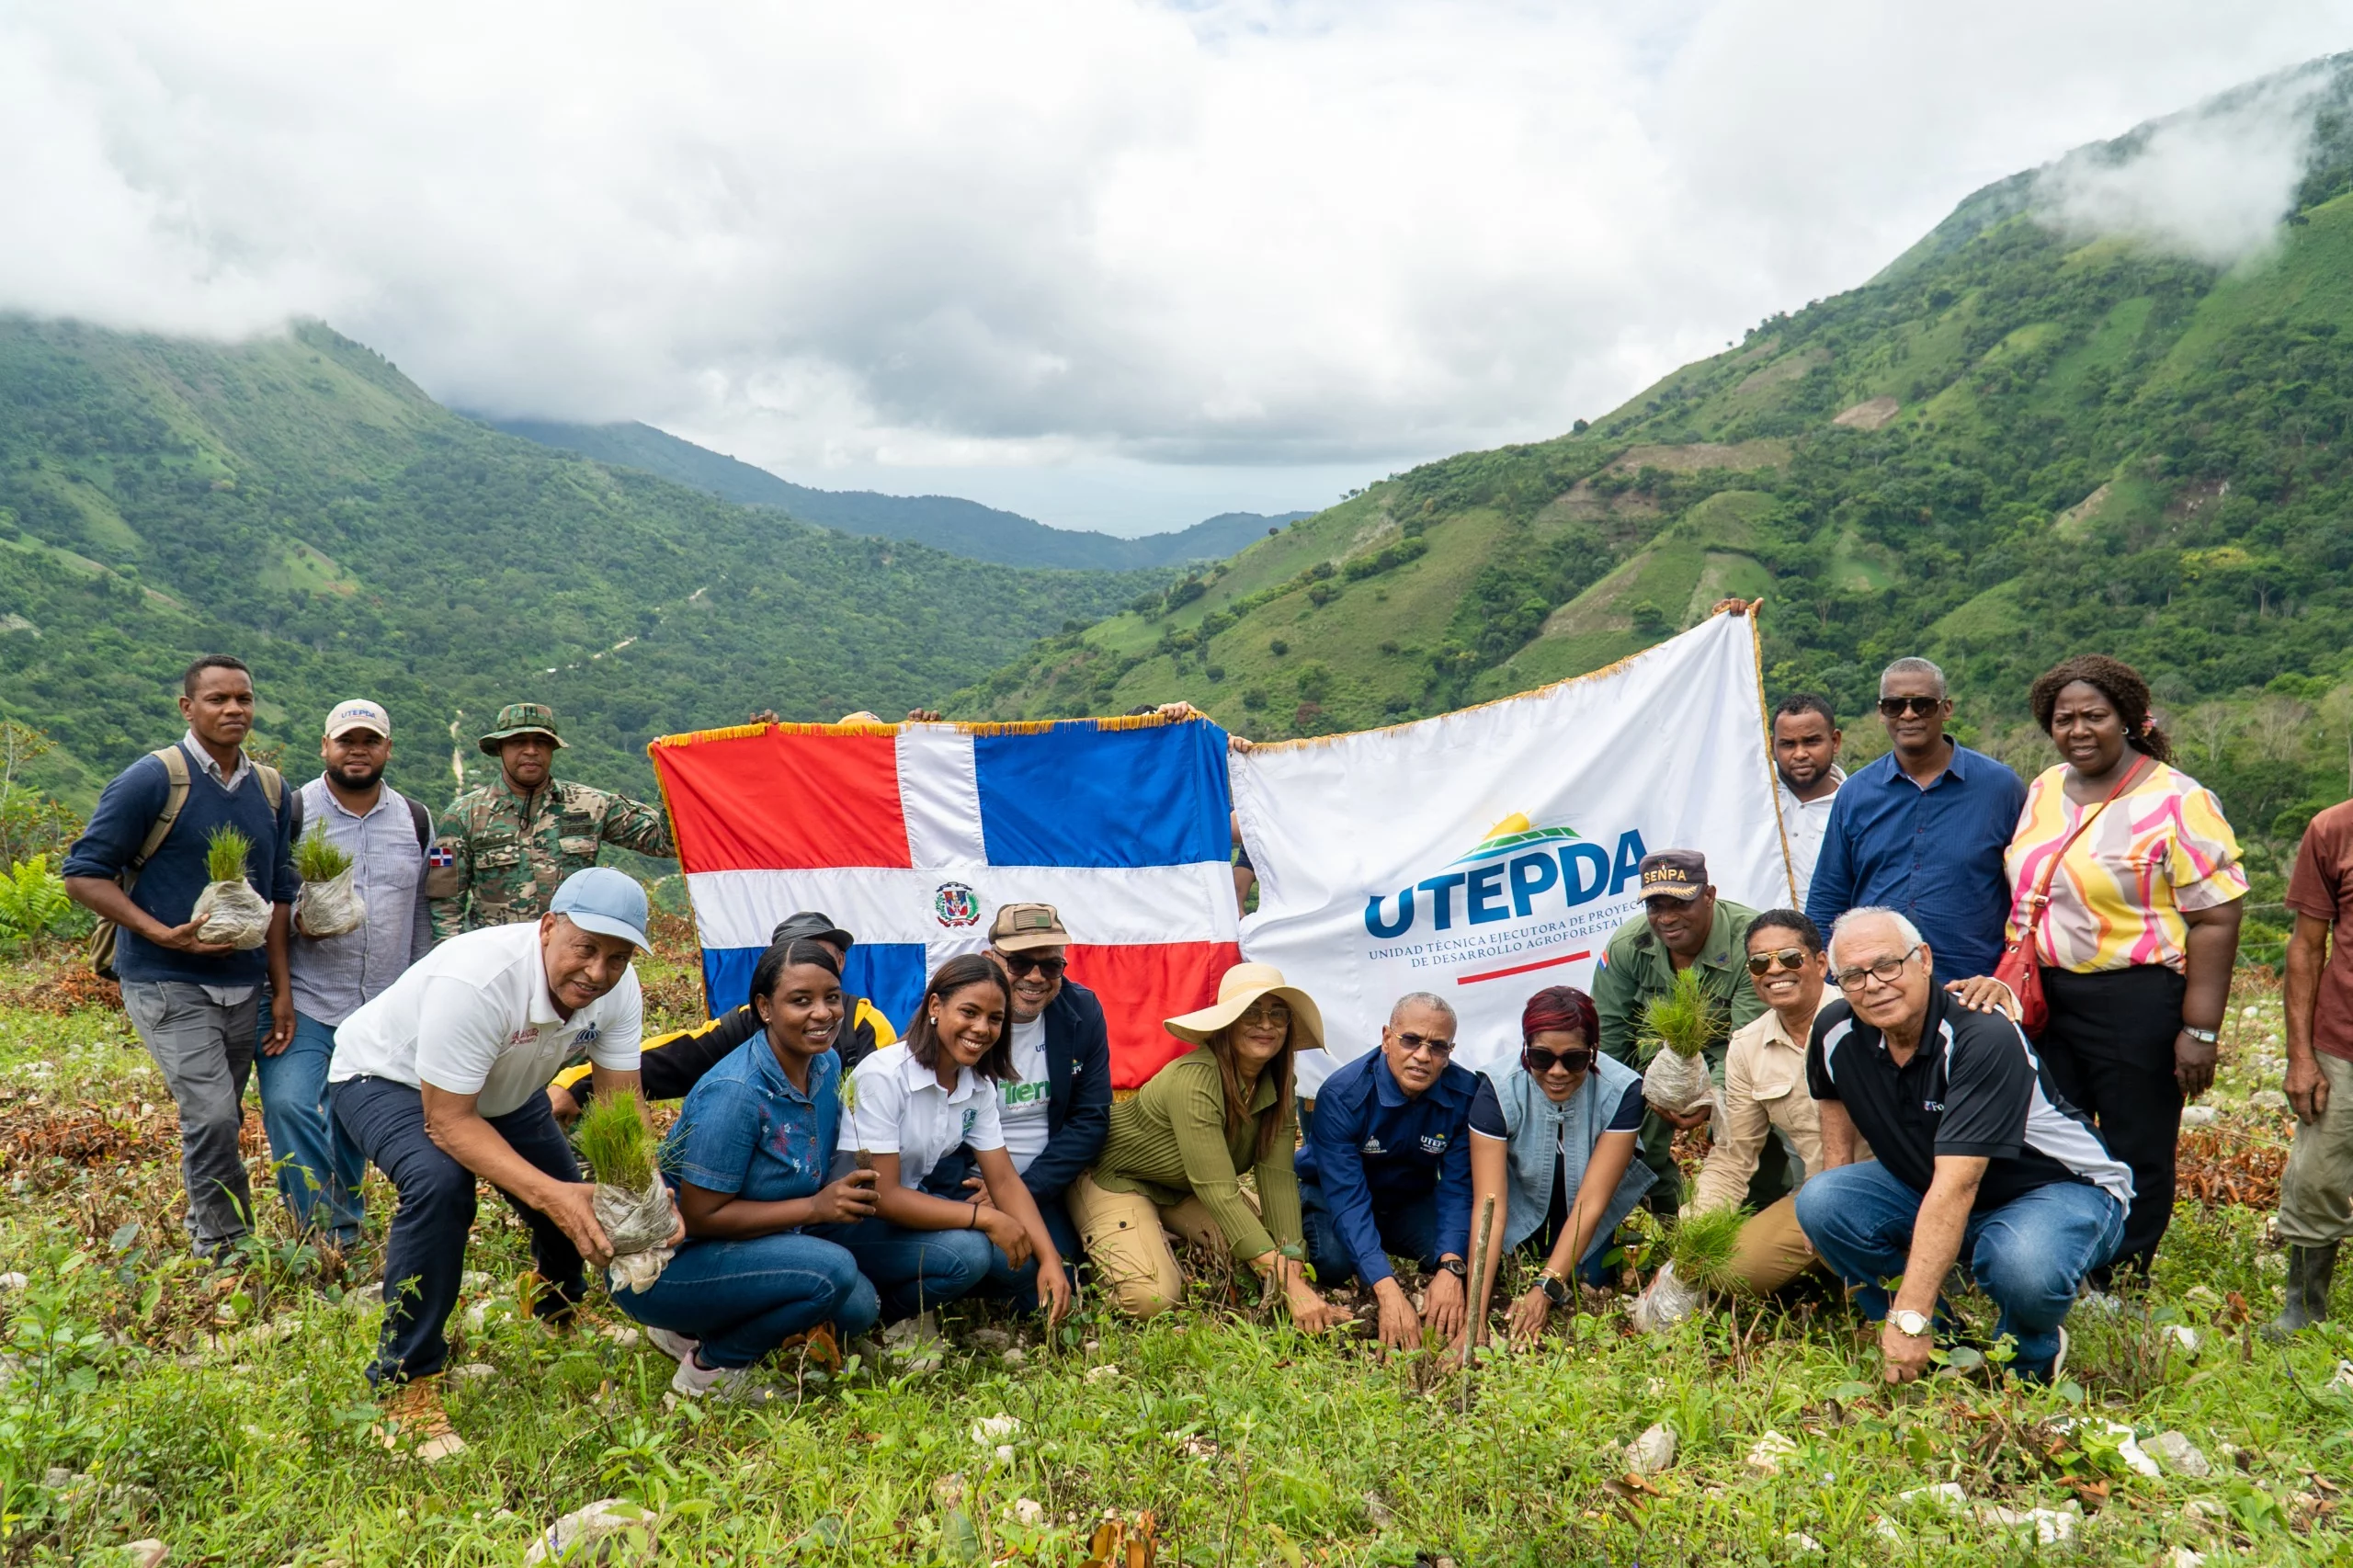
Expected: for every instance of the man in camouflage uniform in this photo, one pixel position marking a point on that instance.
(505, 847)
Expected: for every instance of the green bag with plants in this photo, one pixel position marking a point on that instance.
(633, 1201)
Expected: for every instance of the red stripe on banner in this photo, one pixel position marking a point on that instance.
(1144, 983)
(779, 800)
(1519, 969)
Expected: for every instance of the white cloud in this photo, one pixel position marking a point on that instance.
(1094, 239)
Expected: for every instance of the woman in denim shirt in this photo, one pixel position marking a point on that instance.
(748, 1158)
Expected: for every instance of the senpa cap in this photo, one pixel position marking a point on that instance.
(600, 899)
(358, 714)
(1675, 873)
(1018, 927)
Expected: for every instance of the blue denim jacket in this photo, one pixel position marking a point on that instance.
(1537, 1127)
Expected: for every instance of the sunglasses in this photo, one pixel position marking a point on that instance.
(1788, 958)
(1896, 707)
(1267, 1011)
(1022, 964)
(1416, 1044)
(1539, 1061)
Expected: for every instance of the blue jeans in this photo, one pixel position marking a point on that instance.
(2028, 1255)
(1408, 1230)
(318, 1169)
(914, 1271)
(743, 1299)
(425, 1257)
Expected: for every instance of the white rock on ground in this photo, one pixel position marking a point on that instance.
(2127, 1448)
(2344, 1379)
(1798, 1541)
(595, 1534)
(1653, 1451)
(473, 1371)
(1028, 1511)
(2198, 1115)
(13, 1281)
(2177, 1455)
(150, 1553)
(1765, 1455)
(2184, 1337)
(2183, 1557)
(1945, 1497)
(2267, 1099)
(2204, 1511)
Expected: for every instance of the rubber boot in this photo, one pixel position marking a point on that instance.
(2310, 1271)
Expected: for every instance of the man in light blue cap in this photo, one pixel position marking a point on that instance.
(439, 1080)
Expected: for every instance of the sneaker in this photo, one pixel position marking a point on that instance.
(676, 1346)
(414, 1419)
(737, 1384)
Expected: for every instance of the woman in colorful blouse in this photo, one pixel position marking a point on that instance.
(750, 1153)
(2137, 942)
(1177, 1150)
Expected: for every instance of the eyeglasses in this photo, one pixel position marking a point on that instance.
(1896, 707)
(1788, 958)
(1265, 1011)
(1416, 1044)
(1020, 964)
(1885, 971)
(1539, 1061)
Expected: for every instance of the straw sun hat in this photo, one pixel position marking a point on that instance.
(1236, 989)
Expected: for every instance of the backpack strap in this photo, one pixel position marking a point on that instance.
(174, 763)
(273, 785)
(422, 820)
(294, 822)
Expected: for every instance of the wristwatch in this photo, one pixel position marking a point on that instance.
(1555, 1288)
(1455, 1267)
(1914, 1324)
(2207, 1037)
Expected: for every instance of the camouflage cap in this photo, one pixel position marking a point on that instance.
(521, 718)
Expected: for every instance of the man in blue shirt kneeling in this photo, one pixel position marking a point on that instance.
(1387, 1168)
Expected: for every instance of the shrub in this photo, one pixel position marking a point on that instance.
(33, 905)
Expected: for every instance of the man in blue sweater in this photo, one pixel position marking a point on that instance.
(1387, 1168)
(194, 1002)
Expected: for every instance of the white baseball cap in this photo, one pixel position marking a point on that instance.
(358, 714)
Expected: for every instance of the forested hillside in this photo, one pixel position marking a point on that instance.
(943, 522)
(299, 502)
(2020, 441)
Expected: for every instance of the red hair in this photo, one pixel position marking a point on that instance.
(1560, 1007)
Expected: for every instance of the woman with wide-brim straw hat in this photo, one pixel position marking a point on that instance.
(1177, 1150)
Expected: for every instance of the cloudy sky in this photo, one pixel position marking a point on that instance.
(1114, 264)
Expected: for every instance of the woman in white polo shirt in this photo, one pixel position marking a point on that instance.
(910, 1104)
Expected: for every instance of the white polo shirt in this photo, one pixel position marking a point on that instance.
(902, 1110)
(473, 1017)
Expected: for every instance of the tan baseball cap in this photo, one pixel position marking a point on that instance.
(1018, 927)
(358, 714)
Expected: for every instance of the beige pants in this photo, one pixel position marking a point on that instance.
(1134, 1262)
(2316, 1192)
(1773, 1250)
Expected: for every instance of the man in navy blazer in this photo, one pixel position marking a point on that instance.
(1387, 1168)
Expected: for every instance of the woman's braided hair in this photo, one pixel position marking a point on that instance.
(2116, 681)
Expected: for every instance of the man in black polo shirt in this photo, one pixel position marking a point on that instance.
(1976, 1155)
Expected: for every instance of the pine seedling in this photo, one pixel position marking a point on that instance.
(319, 859)
(226, 853)
(1702, 1247)
(1683, 1020)
(614, 1139)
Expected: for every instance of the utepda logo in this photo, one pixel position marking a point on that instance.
(1516, 872)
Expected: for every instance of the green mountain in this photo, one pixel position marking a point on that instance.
(943, 522)
(298, 502)
(2020, 441)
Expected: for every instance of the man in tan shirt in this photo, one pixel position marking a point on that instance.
(1765, 1096)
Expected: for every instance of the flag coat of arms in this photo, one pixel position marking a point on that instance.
(912, 836)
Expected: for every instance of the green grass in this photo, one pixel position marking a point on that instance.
(615, 1143)
(229, 1418)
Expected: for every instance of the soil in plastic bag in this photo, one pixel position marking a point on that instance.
(640, 1225)
(1664, 1302)
(231, 913)
(332, 908)
(1678, 1083)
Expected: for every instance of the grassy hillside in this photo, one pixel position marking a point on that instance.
(943, 522)
(2016, 443)
(299, 502)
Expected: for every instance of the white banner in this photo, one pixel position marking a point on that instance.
(1485, 855)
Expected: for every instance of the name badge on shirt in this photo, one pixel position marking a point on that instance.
(588, 1036)
(1432, 1143)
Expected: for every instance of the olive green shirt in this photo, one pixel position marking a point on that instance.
(1638, 967)
(1171, 1140)
(501, 855)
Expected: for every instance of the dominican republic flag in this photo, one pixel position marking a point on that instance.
(911, 835)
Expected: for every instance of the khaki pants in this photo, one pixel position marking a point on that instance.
(1123, 1232)
(2316, 1192)
(1773, 1250)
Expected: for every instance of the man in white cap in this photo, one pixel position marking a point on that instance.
(390, 839)
(441, 1080)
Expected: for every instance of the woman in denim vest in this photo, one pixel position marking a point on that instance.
(1552, 1147)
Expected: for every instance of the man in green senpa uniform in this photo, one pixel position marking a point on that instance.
(505, 848)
